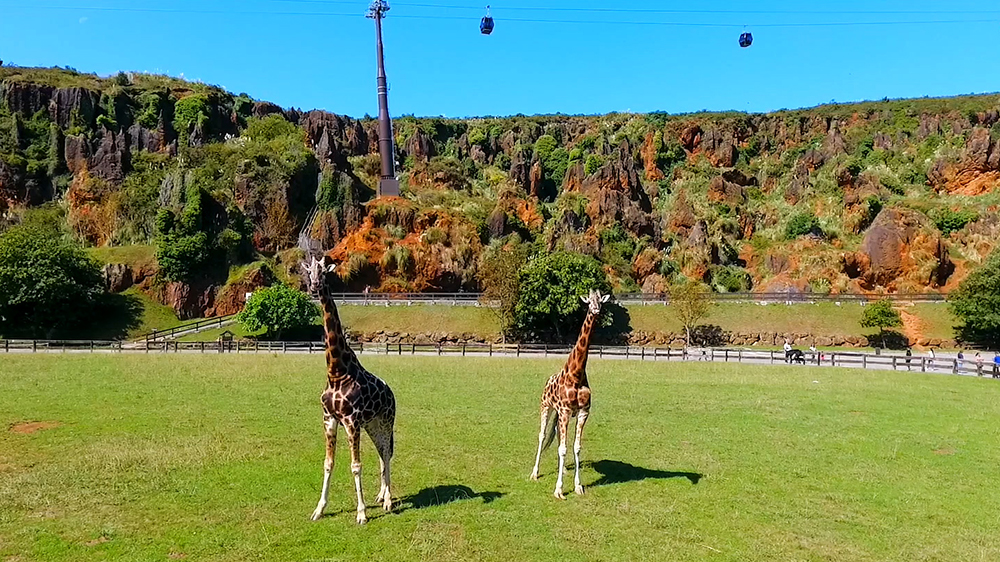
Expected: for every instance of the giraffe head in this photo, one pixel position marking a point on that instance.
(315, 272)
(594, 301)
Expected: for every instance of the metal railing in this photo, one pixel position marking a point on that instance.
(850, 359)
(191, 327)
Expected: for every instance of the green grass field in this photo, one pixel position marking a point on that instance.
(158, 457)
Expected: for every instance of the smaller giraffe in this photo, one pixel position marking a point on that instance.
(354, 398)
(567, 394)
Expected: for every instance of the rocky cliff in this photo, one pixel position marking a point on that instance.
(880, 197)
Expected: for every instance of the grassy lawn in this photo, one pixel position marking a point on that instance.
(155, 457)
(137, 255)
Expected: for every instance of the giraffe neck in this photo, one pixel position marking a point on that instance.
(576, 365)
(339, 355)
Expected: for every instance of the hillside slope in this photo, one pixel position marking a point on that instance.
(882, 197)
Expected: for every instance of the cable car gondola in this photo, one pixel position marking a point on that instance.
(746, 39)
(486, 26)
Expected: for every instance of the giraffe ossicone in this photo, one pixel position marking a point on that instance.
(354, 398)
(567, 395)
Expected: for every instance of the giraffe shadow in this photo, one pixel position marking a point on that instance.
(441, 495)
(617, 472)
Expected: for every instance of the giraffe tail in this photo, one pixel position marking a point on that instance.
(550, 431)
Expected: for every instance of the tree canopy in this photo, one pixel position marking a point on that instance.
(549, 295)
(881, 314)
(690, 303)
(976, 303)
(47, 283)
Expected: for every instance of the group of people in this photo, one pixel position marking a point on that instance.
(960, 360)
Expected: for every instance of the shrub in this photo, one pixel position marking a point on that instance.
(270, 128)
(544, 147)
(189, 113)
(730, 279)
(435, 235)
(802, 224)
(276, 309)
(948, 221)
(593, 163)
(182, 258)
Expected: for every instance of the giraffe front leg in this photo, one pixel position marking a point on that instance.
(541, 439)
(330, 426)
(563, 428)
(354, 439)
(581, 420)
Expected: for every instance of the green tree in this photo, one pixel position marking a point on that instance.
(690, 303)
(976, 303)
(549, 294)
(276, 309)
(47, 283)
(498, 274)
(881, 314)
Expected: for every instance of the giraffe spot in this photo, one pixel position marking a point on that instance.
(27, 428)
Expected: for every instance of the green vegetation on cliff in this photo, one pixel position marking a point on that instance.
(891, 196)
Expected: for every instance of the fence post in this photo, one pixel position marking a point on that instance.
(517, 353)
(438, 346)
(600, 352)
(864, 360)
(771, 352)
(310, 346)
(34, 346)
(833, 359)
(684, 354)
(626, 351)
(256, 346)
(739, 355)
(463, 349)
(954, 366)
(166, 346)
(893, 362)
(91, 346)
(203, 347)
(6, 346)
(491, 349)
(923, 364)
(413, 349)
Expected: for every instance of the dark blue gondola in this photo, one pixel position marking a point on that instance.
(486, 26)
(746, 39)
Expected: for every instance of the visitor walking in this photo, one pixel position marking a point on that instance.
(909, 354)
(788, 351)
(958, 364)
(996, 365)
(930, 362)
(979, 364)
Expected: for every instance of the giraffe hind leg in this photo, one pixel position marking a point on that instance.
(381, 433)
(564, 416)
(546, 417)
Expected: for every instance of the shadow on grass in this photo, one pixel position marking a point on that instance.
(441, 495)
(617, 472)
(114, 316)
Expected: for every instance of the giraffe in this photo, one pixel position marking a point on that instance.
(354, 398)
(567, 394)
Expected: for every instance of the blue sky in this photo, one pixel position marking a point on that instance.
(320, 53)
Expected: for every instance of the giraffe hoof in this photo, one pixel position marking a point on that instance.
(559, 495)
(317, 513)
(534, 476)
(387, 504)
(579, 490)
(362, 518)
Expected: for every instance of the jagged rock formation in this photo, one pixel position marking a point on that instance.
(709, 196)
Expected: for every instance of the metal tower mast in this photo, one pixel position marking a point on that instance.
(388, 184)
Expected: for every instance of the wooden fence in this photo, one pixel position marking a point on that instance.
(877, 361)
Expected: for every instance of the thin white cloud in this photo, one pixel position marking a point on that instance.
(84, 19)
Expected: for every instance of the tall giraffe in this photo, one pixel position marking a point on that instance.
(354, 398)
(567, 394)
